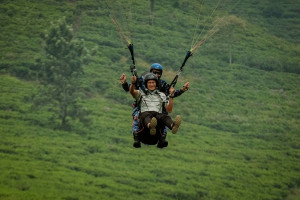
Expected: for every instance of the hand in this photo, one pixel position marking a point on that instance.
(123, 78)
(172, 91)
(186, 86)
(133, 79)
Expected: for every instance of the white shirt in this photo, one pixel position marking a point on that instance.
(152, 100)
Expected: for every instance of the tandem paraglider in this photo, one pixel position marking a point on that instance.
(154, 100)
(154, 97)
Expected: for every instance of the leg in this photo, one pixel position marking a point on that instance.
(152, 126)
(169, 122)
(145, 118)
(165, 119)
(165, 122)
(176, 124)
(165, 131)
(135, 128)
(162, 142)
(148, 119)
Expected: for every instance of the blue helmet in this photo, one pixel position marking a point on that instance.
(156, 66)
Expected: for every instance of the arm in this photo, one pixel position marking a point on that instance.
(124, 83)
(166, 86)
(132, 90)
(169, 107)
(125, 87)
(178, 93)
(185, 87)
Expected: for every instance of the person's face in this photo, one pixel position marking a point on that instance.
(157, 73)
(151, 85)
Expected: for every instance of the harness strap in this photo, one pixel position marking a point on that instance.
(143, 93)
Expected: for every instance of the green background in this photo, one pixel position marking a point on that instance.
(240, 133)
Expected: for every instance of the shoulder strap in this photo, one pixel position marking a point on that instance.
(142, 94)
(164, 100)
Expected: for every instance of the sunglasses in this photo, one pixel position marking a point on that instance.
(156, 72)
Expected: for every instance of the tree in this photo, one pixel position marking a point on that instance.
(61, 72)
(152, 2)
(230, 28)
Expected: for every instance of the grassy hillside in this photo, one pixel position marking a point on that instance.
(240, 133)
(200, 163)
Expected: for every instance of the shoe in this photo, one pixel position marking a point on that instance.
(176, 124)
(162, 142)
(153, 124)
(137, 142)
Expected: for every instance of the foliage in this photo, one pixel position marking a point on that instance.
(240, 133)
(61, 73)
(200, 162)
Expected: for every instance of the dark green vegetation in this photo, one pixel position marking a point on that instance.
(61, 74)
(240, 133)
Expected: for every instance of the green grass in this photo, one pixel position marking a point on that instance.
(240, 133)
(200, 162)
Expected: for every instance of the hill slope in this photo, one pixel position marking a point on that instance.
(240, 133)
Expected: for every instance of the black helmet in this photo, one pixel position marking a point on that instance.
(150, 76)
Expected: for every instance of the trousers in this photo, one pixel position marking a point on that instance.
(135, 122)
(162, 119)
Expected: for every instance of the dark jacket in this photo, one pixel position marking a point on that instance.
(163, 86)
